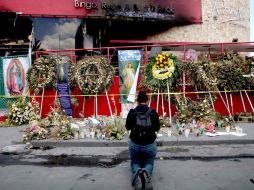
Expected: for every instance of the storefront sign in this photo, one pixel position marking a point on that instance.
(123, 7)
(86, 5)
(159, 10)
(128, 10)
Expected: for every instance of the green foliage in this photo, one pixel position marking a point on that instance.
(199, 110)
(229, 72)
(113, 132)
(201, 73)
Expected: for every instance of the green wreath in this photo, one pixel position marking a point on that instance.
(229, 72)
(94, 75)
(42, 74)
(201, 74)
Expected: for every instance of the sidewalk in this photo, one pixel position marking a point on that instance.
(192, 140)
(173, 147)
(13, 135)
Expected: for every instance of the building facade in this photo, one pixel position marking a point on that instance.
(70, 24)
(222, 20)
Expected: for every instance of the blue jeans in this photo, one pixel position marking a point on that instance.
(142, 156)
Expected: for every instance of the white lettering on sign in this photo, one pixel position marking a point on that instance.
(86, 5)
(121, 7)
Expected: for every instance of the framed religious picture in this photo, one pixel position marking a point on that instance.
(191, 55)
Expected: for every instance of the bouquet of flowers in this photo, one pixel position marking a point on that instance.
(58, 124)
(21, 112)
(34, 132)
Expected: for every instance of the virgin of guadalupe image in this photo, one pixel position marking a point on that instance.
(15, 77)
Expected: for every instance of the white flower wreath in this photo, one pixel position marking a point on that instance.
(94, 75)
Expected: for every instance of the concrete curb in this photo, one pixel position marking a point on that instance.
(124, 143)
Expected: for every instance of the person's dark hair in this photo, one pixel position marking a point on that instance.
(142, 97)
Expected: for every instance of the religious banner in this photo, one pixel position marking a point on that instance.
(129, 61)
(132, 94)
(63, 89)
(14, 71)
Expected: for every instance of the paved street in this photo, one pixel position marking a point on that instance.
(25, 173)
(198, 165)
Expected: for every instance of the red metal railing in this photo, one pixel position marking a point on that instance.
(146, 46)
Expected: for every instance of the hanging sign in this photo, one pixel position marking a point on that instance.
(63, 89)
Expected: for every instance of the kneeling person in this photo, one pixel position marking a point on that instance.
(143, 123)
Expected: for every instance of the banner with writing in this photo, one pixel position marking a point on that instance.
(63, 89)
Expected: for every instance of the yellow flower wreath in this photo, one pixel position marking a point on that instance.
(163, 67)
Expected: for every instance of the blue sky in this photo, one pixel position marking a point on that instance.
(252, 20)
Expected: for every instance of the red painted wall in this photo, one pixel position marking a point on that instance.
(103, 108)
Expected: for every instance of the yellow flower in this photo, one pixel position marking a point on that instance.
(157, 73)
(163, 67)
(170, 62)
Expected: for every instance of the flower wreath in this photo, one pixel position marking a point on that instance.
(42, 74)
(161, 71)
(94, 75)
(201, 74)
(163, 67)
(229, 72)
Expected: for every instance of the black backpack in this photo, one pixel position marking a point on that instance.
(143, 127)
